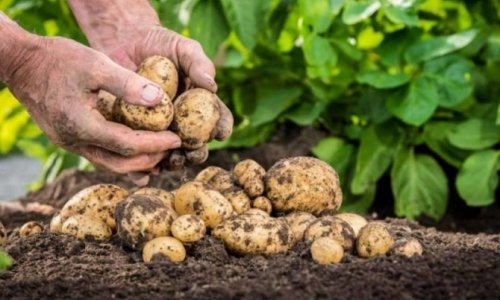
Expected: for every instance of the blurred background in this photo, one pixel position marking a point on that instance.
(406, 92)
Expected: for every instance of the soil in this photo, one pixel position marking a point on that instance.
(455, 265)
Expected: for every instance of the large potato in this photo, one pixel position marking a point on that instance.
(86, 227)
(98, 201)
(162, 71)
(303, 184)
(196, 198)
(298, 222)
(332, 227)
(250, 175)
(374, 239)
(165, 196)
(141, 218)
(217, 178)
(356, 221)
(55, 225)
(3, 235)
(255, 234)
(162, 248)
(137, 117)
(188, 228)
(196, 113)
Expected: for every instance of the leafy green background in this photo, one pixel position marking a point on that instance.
(406, 88)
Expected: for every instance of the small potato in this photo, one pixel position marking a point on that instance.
(303, 184)
(374, 239)
(55, 225)
(238, 199)
(162, 71)
(196, 113)
(197, 156)
(162, 248)
(3, 235)
(137, 117)
(250, 175)
(86, 227)
(196, 198)
(105, 103)
(255, 234)
(263, 204)
(332, 227)
(298, 222)
(141, 218)
(326, 250)
(256, 211)
(407, 247)
(356, 221)
(188, 228)
(30, 228)
(165, 196)
(217, 178)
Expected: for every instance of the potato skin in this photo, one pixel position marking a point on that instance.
(329, 226)
(141, 218)
(55, 225)
(374, 239)
(162, 71)
(105, 103)
(303, 184)
(238, 199)
(165, 196)
(86, 227)
(137, 117)
(217, 178)
(298, 222)
(30, 228)
(196, 113)
(407, 247)
(326, 250)
(263, 204)
(188, 228)
(250, 175)
(356, 221)
(162, 248)
(256, 211)
(254, 234)
(3, 235)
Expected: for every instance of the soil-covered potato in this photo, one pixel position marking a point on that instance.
(188, 228)
(374, 239)
(30, 228)
(98, 201)
(141, 218)
(196, 113)
(256, 211)
(238, 198)
(326, 250)
(196, 198)
(86, 227)
(407, 247)
(137, 117)
(105, 103)
(217, 178)
(55, 225)
(303, 184)
(356, 221)
(164, 248)
(250, 175)
(3, 235)
(263, 204)
(165, 196)
(162, 71)
(329, 226)
(298, 222)
(197, 156)
(254, 234)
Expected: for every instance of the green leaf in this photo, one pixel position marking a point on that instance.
(439, 46)
(244, 136)
(5, 261)
(478, 178)
(418, 104)
(208, 25)
(33, 149)
(402, 15)
(382, 80)
(419, 185)
(10, 128)
(169, 12)
(498, 115)
(319, 14)
(475, 134)
(392, 48)
(436, 138)
(271, 102)
(318, 51)
(336, 152)
(306, 113)
(357, 11)
(358, 203)
(245, 18)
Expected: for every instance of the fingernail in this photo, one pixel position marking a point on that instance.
(150, 93)
(210, 79)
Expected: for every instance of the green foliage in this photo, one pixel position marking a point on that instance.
(406, 89)
(5, 261)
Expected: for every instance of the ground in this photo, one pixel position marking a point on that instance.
(454, 265)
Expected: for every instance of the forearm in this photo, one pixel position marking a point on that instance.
(106, 22)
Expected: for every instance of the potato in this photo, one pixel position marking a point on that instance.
(407, 247)
(374, 239)
(196, 198)
(55, 225)
(217, 178)
(197, 156)
(250, 175)
(303, 184)
(196, 113)
(356, 221)
(141, 218)
(238, 199)
(254, 234)
(105, 103)
(162, 71)
(162, 248)
(165, 196)
(329, 226)
(326, 250)
(98, 201)
(188, 228)
(298, 222)
(256, 211)
(3, 235)
(30, 228)
(137, 117)
(263, 204)
(86, 227)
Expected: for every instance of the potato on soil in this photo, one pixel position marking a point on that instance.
(105, 103)
(250, 175)
(238, 199)
(3, 234)
(329, 226)
(303, 184)
(196, 198)
(30, 228)
(254, 234)
(188, 228)
(217, 178)
(163, 248)
(298, 222)
(55, 225)
(196, 113)
(263, 204)
(141, 218)
(407, 247)
(356, 221)
(86, 227)
(326, 250)
(256, 211)
(197, 156)
(137, 117)
(98, 201)
(161, 71)
(374, 239)
(165, 196)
